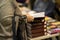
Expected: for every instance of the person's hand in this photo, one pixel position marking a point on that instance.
(24, 12)
(29, 18)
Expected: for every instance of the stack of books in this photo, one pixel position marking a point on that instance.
(37, 28)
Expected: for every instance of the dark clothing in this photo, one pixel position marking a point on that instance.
(44, 6)
(21, 1)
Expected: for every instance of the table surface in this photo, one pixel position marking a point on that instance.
(45, 37)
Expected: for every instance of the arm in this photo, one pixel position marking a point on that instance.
(19, 10)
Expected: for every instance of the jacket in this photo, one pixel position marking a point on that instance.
(46, 6)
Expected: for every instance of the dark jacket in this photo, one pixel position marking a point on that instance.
(44, 6)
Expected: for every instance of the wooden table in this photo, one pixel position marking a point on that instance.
(46, 36)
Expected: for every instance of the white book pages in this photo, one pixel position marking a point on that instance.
(35, 15)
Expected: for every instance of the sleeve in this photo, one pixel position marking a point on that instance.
(50, 8)
(6, 12)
